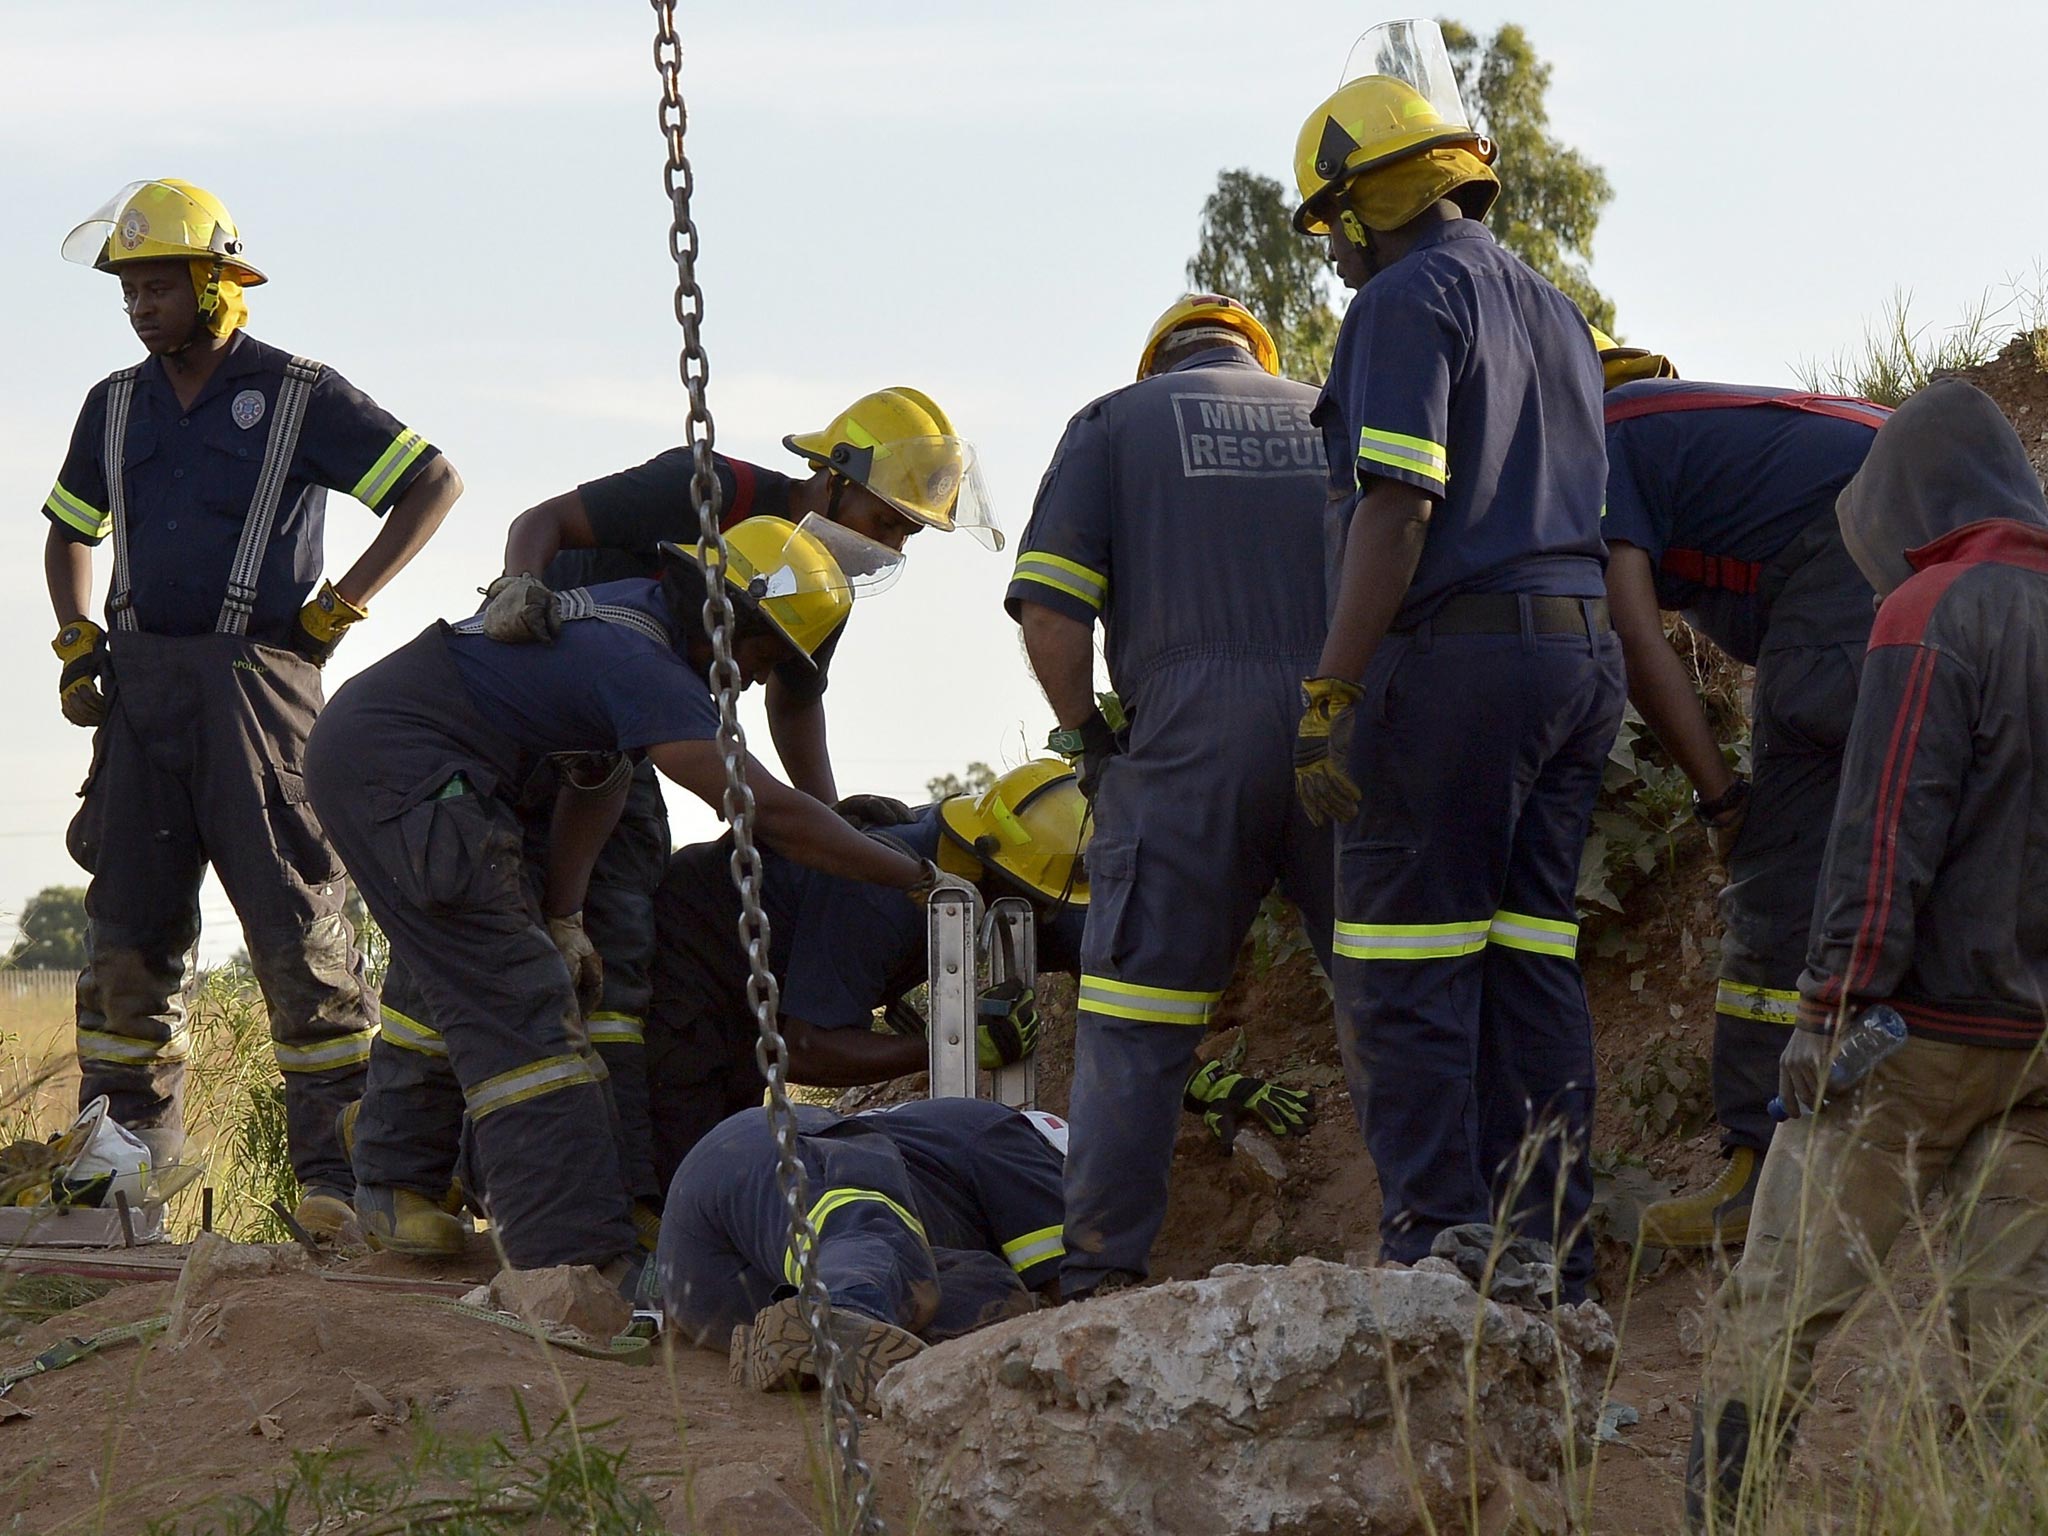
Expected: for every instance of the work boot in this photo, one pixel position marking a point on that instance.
(405, 1221)
(345, 1133)
(1723, 1489)
(324, 1213)
(1716, 1217)
(773, 1352)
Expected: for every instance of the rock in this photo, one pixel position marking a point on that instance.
(1521, 1272)
(574, 1295)
(214, 1264)
(1257, 1400)
(1260, 1160)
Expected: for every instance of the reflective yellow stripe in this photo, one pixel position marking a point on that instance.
(345, 1051)
(616, 1029)
(551, 1074)
(97, 1045)
(821, 1211)
(1417, 455)
(76, 512)
(385, 473)
(1035, 1248)
(1767, 1005)
(411, 1034)
(1537, 935)
(1152, 1005)
(1409, 941)
(1068, 576)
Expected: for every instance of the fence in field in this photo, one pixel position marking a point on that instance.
(19, 984)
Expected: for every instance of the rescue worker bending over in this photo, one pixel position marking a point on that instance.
(1185, 512)
(209, 466)
(887, 467)
(934, 1218)
(1721, 502)
(1931, 900)
(1459, 719)
(414, 773)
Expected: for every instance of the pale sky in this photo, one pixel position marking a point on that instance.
(460, 208)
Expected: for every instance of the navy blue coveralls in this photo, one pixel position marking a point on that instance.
(202, 754)
(415, 770)
(839, 948)
(1730, 490)
(1486, 721)
(630, 514)
(937, 1216)
(1186, 513)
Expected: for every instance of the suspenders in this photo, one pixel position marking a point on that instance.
(577, 603)
(300, 375)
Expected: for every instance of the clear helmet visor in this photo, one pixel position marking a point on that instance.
(1414, 53)
(933, 481)
(865, 566)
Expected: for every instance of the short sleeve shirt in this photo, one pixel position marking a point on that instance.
(599, 687)
(190, 477)
(637, 509)
(1737, 483)
(1459, 371)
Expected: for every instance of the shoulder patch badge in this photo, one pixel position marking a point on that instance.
(247, 408)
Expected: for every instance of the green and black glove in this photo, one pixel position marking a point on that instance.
(1322, 749)
(1226, 1099)
(82, 647)
(1006, 1025)
(1088, 746)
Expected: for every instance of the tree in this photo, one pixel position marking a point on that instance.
(52, 931)
(977, 778)
(1551, 196)
(1249, 250)
(1550, 204)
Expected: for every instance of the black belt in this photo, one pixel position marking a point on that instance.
(1500, 613)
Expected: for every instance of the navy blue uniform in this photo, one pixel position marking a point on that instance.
(936, 1216)
(200, 760)
(1730, 490)
(1487, 716)
(414, 770)
(1186, 513)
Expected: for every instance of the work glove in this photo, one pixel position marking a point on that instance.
(1226, 1099)
(82, 647)
(1723, 818)
(1802, 1068)
(1088, 746)
(866, 812)
(586, 966)
(518, 609)
(1322, 749)
(1006, 1025)
(323, 622)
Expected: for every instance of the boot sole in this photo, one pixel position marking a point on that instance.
(773, 1352)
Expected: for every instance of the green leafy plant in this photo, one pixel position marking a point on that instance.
(1666, 1093)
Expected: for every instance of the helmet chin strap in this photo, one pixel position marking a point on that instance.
(1361, 240)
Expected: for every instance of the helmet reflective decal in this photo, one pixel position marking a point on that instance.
(134, 228)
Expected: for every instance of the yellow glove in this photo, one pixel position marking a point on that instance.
(1322, 749)
(81, 646)
(323, 622)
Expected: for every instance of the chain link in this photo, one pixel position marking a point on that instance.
(856, 1490)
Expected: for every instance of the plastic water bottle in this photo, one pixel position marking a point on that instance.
(1874, 1036)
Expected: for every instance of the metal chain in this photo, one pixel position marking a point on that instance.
(856, 1490)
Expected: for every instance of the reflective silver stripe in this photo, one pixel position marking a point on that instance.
(1035, 1247)
(1409, 941)
(616, 1029)
(346, 1051)
(1063, 575)
(411, 1034)
(393, 462)
(1767, 1005)
(97, 1045)
(300, 375)
(113, 450)
(550, 1074)
(1154, 1005)
(1537, 935)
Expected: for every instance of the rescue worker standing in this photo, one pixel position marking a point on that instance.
(414, 770)
(1460, 716)
(1185, 512)
(1721, 503)
(209, 466)
(1930, 900)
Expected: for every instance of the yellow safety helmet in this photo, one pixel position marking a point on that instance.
(900, 446)
(1623, 365)
(791, 575)
(1210, 310)
(1399, 99)
(162, 220)
(1030, 828)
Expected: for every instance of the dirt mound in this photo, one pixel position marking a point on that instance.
(2018, 382)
